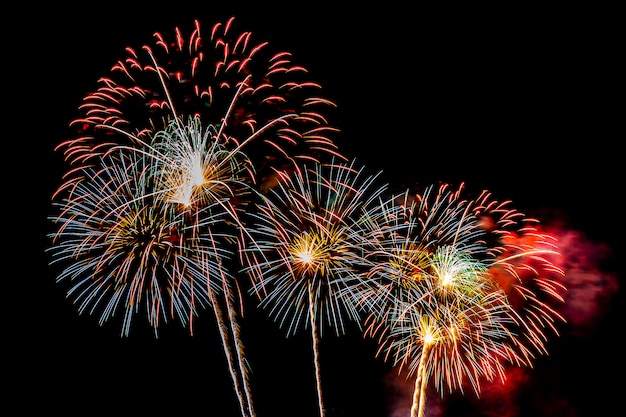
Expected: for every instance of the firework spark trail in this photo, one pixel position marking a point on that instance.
(224, 335)
(502, 305)
(315, 340)
(239, 349)
(308, 235)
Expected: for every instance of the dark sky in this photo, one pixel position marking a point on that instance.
(522, 102)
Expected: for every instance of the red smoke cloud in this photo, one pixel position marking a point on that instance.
(589, 287)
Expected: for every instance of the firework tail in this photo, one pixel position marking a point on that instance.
(224, 334)
(315, 341)
(239, 348)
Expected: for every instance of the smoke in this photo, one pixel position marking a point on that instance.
(399, 388)
(590, 287)
(499, 399)
(399, 393)
(539, 391)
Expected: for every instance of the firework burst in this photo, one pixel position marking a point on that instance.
(144, 226)
(223, 78)
(308, 248)
(465, 286)
(123, 244)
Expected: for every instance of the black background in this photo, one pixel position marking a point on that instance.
(522, 102)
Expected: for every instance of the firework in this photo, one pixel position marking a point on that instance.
(454, 326)
(224, 78)
(121, 244)
(465, 286)
(308, 248)
(139, 227)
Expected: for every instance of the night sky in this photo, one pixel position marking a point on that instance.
(521, 102)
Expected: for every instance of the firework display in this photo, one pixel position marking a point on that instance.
(168, 151)
(202, 170)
